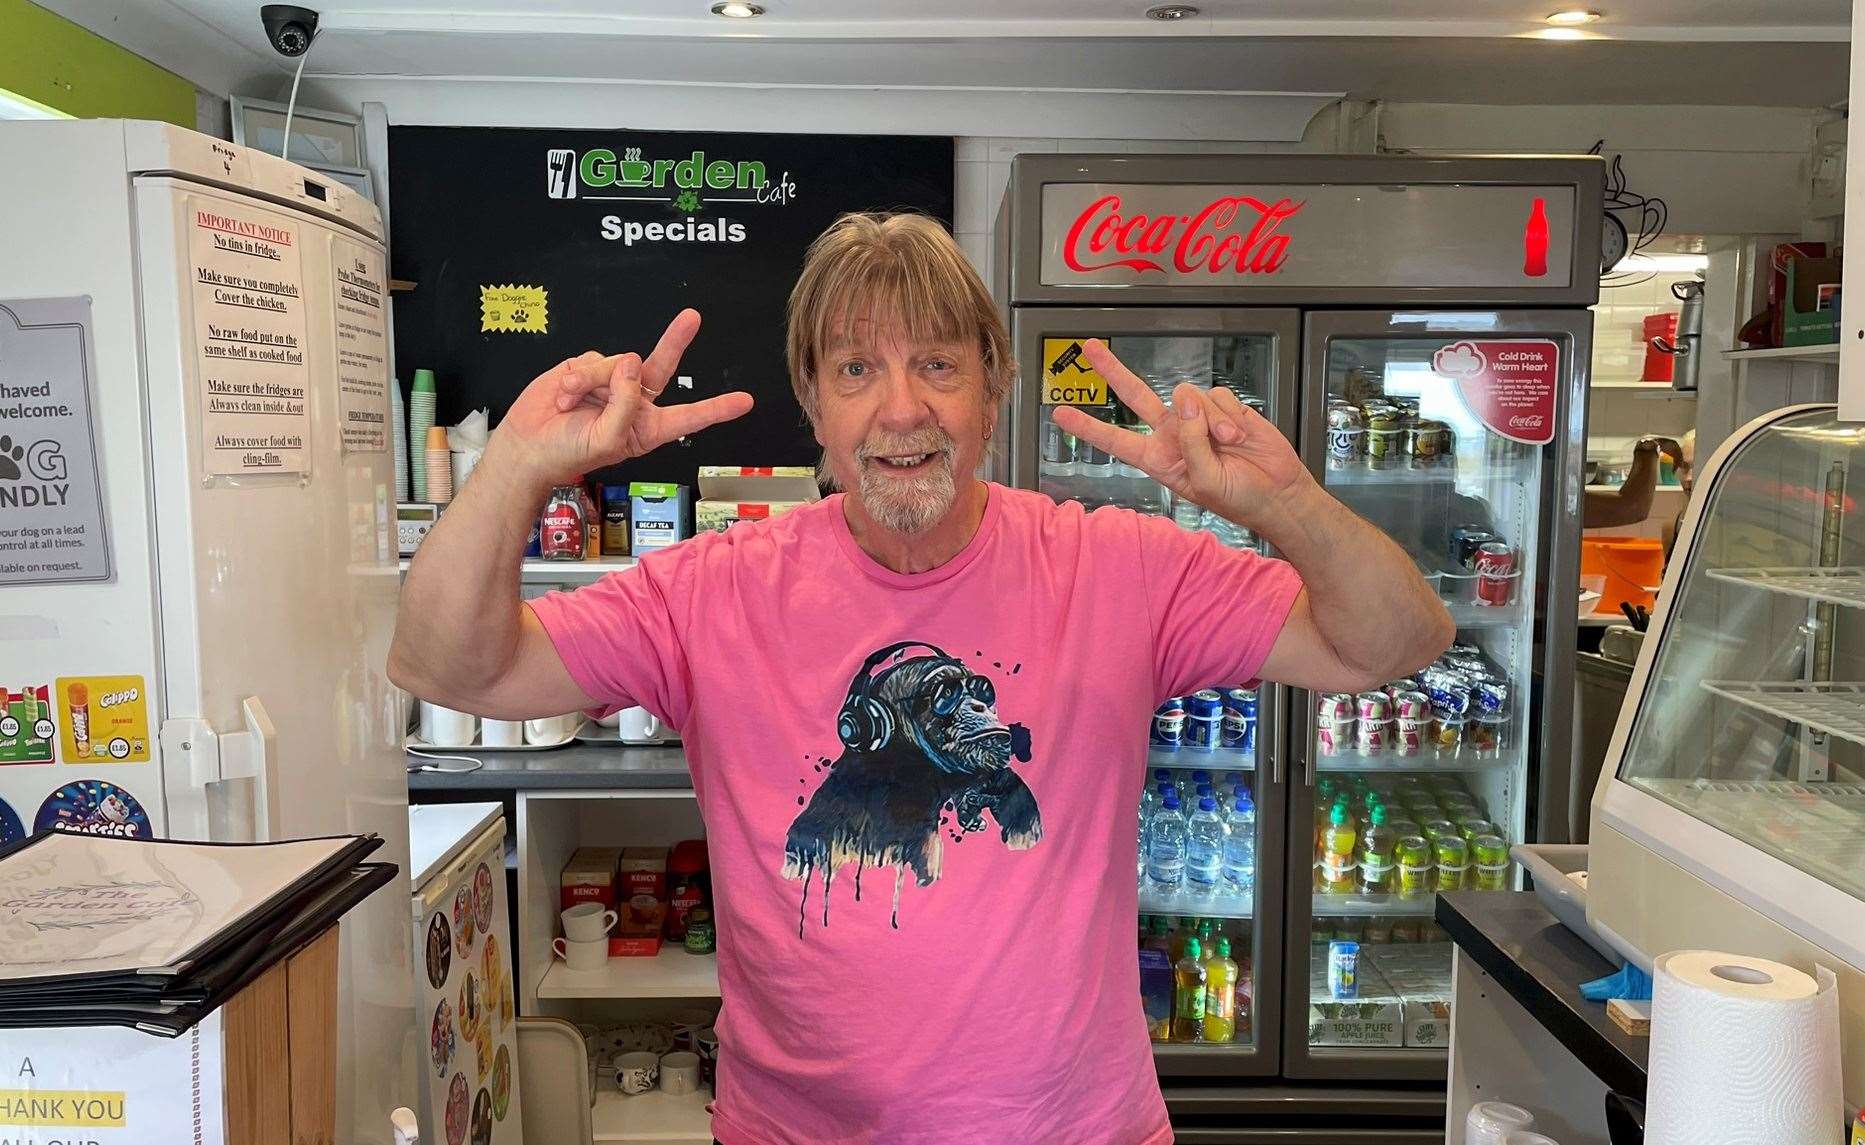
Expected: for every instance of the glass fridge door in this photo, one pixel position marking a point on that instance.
(1445, 431)
(1238, 763)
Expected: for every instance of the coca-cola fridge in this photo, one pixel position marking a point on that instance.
(1419, 329)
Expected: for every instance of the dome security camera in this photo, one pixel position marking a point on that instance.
(289, 28)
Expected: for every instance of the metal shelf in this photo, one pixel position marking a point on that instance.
(1835, 708)
(1469, 614)
(1194, 759)
(1186, 904)
(1458, 760)
(534, 571)
(1510, 471)
(1332, 906)
(1826, 352)
(1839, 585)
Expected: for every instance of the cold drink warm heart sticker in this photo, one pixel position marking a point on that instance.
(1508, 384)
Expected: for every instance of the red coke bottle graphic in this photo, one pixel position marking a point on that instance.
(1535, 240)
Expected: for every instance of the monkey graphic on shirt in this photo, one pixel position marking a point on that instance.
(923, 753)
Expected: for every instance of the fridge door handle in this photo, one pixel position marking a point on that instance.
(252, 753)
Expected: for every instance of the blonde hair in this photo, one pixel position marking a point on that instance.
(903, 268)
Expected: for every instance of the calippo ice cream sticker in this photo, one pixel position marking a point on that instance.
(93, 807)
(106, 719)
(1509, 384)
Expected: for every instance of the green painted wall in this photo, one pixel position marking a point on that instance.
(47, 58)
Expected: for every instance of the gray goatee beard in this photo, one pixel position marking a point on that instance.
(903, 503)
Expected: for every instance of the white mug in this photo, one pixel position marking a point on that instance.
(588, 922)
(550, 730)
(638, 725)
(635, 1073)
(679, 1073)
(501, 733)
(444, 727)
(592, 955)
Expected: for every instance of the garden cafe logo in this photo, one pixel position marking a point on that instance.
(698, 190)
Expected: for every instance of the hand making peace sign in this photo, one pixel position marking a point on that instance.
(1208, 446)
(595, 410)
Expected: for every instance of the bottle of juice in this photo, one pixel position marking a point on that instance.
(1415, 860)
(1220, 995)
(1206, 928)
(1188, 977)
(1186, 932)
(1377, 846)
(1158, 937)
(1337, 851)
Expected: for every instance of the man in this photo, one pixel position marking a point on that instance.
(1630, 503)
(931, 683)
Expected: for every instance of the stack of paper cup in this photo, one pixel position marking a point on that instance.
(439, 466)
(420, 420)
(1528, 1137)
(1490, 1122)
(398, 421)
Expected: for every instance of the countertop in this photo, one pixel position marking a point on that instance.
(1541, 964)
(576, 767)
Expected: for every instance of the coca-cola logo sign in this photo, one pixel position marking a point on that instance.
(1527, 421)
(1232, 234)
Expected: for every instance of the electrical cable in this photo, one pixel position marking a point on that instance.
(476, 763)
(291, 105)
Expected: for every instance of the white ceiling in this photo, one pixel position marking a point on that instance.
(1767, 52)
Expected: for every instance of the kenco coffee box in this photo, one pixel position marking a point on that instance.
(642, 901)
(729, 494)
(589, 876)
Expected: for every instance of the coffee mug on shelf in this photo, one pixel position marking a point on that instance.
(706, 1042)
(588, 922)
(592, 955)
(501, 733)
(638, 725)
(551, 729)
(444, 727)
(637, 1072)
(679, 1073)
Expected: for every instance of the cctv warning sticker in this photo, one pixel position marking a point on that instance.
(106, 719)
(1508, 385)
(1068, 379)
(513, 309)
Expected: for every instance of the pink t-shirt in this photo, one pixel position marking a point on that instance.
(923, 855)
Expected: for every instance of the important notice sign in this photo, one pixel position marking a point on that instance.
(51, 507)
(1508, 384)
(249, 330)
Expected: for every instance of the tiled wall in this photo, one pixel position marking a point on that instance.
(1618, 324)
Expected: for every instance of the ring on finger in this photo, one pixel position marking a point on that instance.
(648, 393)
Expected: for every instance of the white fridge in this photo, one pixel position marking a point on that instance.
(196, 562)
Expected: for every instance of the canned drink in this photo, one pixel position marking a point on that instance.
(1169, 722)
(1490, 854)
(1059, 447)
(1385, 437)
(1240, 719)
(1373, 711)
(1494, 565)
(1204, 730)
(1432, 443)
(1343, 969)
(1346, 429)
(1411, 736)
(1334, 723)
(1453, 861)
(1464, 542)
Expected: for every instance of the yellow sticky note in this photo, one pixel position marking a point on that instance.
(1068, 379)
(106, 719)
(513, 310)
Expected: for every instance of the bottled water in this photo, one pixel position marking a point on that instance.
(1204, 849)
(1240, 847)
(1165, 847)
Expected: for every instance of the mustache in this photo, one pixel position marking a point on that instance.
(888, 444)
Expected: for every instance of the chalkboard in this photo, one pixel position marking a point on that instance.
(621, 229)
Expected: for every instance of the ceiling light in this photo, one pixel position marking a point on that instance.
(1561, 34)
(737, 10)
(1571, 17)
(1170, 12)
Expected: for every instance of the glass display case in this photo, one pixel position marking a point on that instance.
(1749, 722)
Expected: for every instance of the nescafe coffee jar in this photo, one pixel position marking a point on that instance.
(687, 887)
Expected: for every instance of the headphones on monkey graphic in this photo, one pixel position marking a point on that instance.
(867, 724)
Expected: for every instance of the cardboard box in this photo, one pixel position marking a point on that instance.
(1373, 1019)
(657, 515)
(729, 494)
(1810, 307)
(642, 890)
(589, 876)
(1427, 1020)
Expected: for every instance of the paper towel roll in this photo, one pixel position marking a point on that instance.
(1490, 1122)
(1744, 1051)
